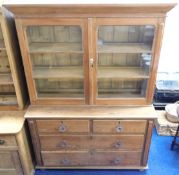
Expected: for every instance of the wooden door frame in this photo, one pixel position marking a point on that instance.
(154, 64)
(21, 25)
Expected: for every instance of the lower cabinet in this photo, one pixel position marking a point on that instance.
(91, 143)
(15, 154)
(10, 163)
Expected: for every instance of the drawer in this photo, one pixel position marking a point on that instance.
(10, 163)
(63, 126)
(8, 172)
(6, 161)
(82, 158)
(109, 142)
(119, 126)
(6, 141)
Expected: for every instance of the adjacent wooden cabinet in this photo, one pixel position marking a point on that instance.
(13, 91)
(15, 157)
(77, 56)
(84, 64)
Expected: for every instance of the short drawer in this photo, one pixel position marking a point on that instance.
(75, 142)
(6, 141)
(63, 126)
(119, 126)
(82, 158)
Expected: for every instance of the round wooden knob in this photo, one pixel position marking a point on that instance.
(119, 128)
(66, 161)
(117, 144)
(2, 142)
(116, 161)
(63, 144)
(62, 128)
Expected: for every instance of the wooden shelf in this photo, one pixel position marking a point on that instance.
(60, 95)
(55, 47)
(122, 95)
(77, 73)
(124, 48)
(121, 73)
(58, 73)
(8, 100)
(91, 111)
(59, 91)
(5, 79)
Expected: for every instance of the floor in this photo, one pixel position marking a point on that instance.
(162, 161)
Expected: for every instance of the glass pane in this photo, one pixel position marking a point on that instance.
(124, 55)
(62, 88)
(56, 55)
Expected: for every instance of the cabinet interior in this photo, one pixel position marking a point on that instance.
(56, 54)
(124, 55)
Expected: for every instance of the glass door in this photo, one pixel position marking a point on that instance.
(57, 56)
(123, 61)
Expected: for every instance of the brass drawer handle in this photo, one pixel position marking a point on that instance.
(117, 144)
(116, 161)
(66, 161)
(62, 128)
(119, 128)
(63, 144)
(2, 142)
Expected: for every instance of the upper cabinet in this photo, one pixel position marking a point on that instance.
(90, 54)
(12, 82)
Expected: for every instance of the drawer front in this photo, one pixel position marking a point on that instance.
(119, 126)
(7, 141)
(8, 172)
(6, 161)
(63, 126)
(10, 163)
(75, 142)
(83, 158)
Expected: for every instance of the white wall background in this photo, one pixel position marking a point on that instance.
(169, 57)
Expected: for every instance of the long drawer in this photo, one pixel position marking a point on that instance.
(7, 141)
(83, 158)
(63, 126)
(119, 126)
(101, 142)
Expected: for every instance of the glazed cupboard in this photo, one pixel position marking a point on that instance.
(15, 155)
(13, 93)
(74, 56)
(90, 71)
